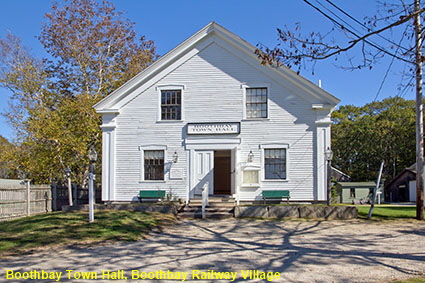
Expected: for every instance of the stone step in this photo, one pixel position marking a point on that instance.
(214, 198)
(211, 212)
(208, 209)
(212, 204)
(214, 201)
(208, 215)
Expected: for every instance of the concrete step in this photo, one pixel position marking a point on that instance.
(208, 209)
(214, 201)
(215, 198)
(213, 204)
(211, 212)
(208, 215)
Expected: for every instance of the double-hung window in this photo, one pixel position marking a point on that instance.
(275, 164)
(171, 104)
(256, 102)
(153, 165)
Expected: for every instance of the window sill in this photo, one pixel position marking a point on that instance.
(276, 180)
(255, 119)
(152, 181)
(250, 185)
(170, 121)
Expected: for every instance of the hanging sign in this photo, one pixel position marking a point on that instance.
(213, 128)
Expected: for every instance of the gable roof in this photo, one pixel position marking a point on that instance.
(340, 172)
(411, 170)
(345, 185)
(117, 98)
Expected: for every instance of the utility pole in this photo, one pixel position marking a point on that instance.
(419, 116)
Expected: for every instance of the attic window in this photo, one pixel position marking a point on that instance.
(256, 102)
(171, 102)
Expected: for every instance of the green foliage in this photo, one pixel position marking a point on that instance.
(93, 51)
(58, 228)
(6, 149)
(94, 48)
(364, 136)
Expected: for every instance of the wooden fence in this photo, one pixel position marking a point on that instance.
(18, 201)
(80, 195)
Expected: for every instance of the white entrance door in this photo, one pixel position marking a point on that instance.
(204, 171)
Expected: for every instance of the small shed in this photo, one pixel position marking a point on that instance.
(339, 176)
(351, 192)
(399, 188)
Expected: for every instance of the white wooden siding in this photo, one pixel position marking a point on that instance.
(213, 92)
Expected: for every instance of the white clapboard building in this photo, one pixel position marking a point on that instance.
(209, 115)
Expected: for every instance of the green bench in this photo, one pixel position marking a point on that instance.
(276, 194)
(151, 194)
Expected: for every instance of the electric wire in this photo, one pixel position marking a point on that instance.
(342, 27)
(364, 26)
(389, 66)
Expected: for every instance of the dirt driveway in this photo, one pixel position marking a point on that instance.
(280, 251)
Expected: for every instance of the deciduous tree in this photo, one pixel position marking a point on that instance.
(364, 136)
(92, 51)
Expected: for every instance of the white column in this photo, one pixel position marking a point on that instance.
(108, 164)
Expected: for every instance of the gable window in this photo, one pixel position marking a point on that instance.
(275, 164)
(153, 164)
(256, 102)
(171, 103)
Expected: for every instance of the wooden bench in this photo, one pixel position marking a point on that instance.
(278, 194)
(151, 194)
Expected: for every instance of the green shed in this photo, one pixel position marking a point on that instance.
(350, 192)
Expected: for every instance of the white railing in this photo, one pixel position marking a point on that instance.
(204, 199)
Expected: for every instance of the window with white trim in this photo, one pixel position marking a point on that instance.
(275, 164)
(171, 104)
(256, 102)
(153, 161)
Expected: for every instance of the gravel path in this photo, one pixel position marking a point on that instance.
(291, 251)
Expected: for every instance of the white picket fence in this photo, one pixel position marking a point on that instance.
(19, 201)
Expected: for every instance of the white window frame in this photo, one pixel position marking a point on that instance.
(263, 163)
(251, 168)
(256, 85)
(142, 162)
(160, 88)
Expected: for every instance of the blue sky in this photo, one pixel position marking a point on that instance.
(169, 22)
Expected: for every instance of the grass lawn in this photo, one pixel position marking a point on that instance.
(388, 211)
(58, 229)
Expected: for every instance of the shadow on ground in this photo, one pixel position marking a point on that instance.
(312, 251)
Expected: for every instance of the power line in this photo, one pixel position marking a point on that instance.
(348, 24)
(364, 26)
(342, 27)
(389, 67)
